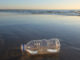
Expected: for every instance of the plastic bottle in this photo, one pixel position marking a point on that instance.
(41, 46)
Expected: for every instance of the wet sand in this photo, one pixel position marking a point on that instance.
(17, 29)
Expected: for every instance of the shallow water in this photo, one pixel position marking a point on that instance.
(16, 29)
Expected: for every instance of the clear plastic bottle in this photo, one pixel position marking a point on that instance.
(42, 46)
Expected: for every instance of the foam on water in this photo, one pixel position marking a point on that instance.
(50, 12)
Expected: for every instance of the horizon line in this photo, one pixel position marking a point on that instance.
(39, 9)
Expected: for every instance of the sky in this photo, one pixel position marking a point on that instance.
(39, 4)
